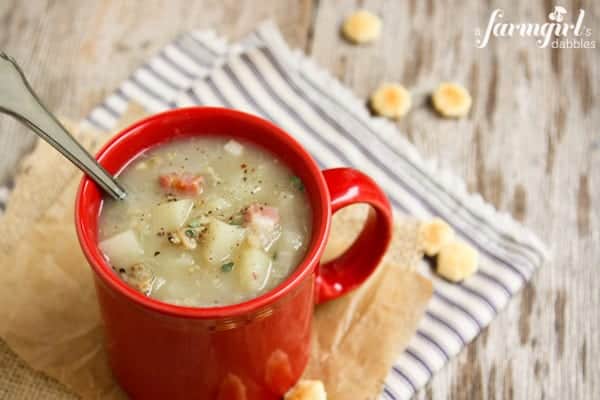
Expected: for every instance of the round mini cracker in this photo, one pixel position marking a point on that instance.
(391, 100)
(433, 235)
(457, 261)
(362, 27)
(307, 390)
(451, 100)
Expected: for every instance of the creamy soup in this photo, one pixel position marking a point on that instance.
(207, 222)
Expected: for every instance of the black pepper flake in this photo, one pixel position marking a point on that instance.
(122, 270)
(156, 253)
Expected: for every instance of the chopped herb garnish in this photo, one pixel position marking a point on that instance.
(190, 233)
(297, 183)
(195, 224)
(227, 267)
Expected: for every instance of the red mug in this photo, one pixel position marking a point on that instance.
(254, 350)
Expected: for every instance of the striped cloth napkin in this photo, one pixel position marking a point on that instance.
(261, 75)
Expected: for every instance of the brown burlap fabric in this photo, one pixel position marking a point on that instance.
(19, 381)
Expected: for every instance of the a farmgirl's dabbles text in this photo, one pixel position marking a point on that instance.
(207, 222)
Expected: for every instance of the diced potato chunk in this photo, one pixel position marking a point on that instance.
(253, 269)
(234, 148)
(171, 216)
(220, 240)
(122, 249)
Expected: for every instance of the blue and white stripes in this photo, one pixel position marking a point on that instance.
(262, 76)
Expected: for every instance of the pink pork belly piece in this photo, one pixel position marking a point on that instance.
(262, 217)
(184, 183)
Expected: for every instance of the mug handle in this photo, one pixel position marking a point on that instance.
(349, 270)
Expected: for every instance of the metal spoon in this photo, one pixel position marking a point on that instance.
(18, 99)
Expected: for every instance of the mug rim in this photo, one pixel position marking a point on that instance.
(103, 270)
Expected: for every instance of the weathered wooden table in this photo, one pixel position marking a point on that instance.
(531, 145)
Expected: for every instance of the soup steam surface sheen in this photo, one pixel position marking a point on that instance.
(207, 222)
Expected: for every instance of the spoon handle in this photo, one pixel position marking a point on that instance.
(18, 99)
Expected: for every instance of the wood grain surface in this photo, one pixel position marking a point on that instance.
(531, 144)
